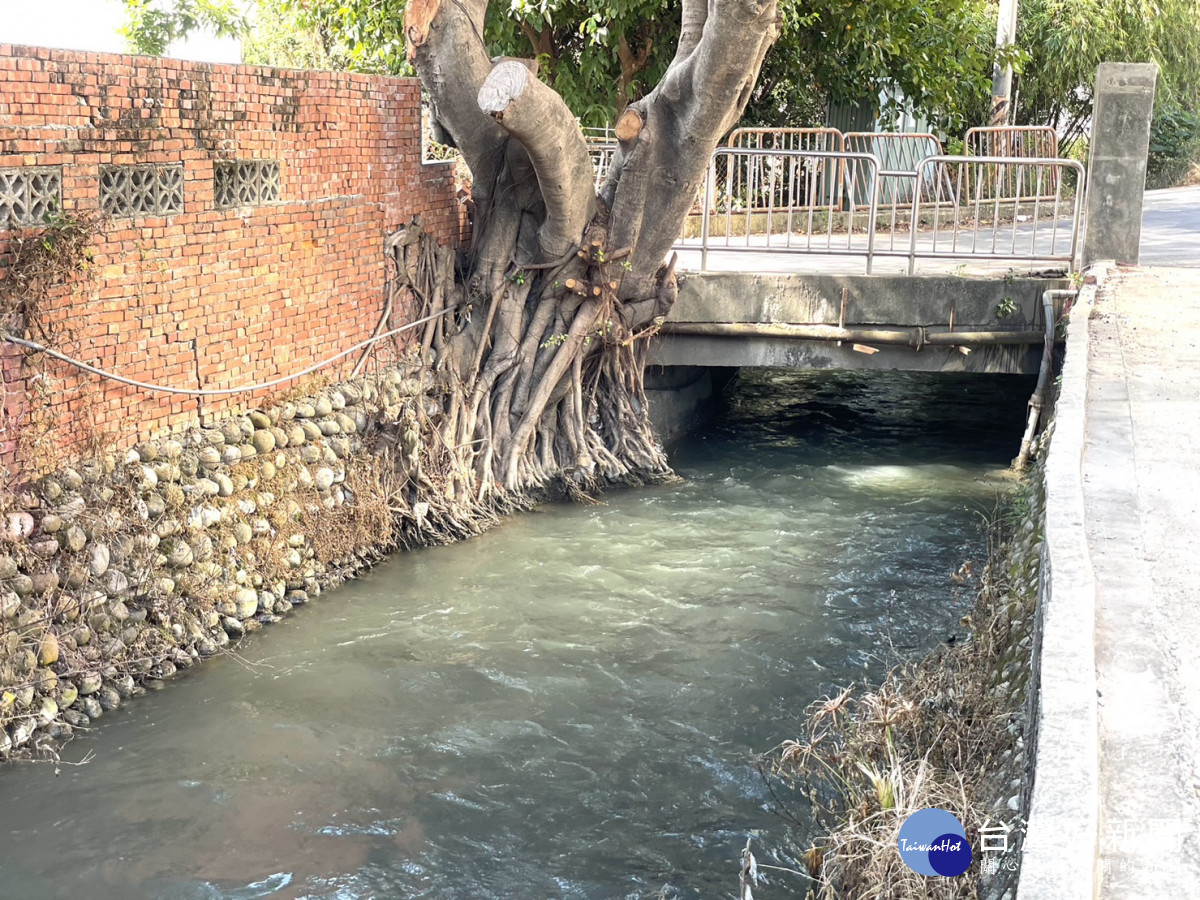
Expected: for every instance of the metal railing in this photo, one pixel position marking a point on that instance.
(873, 195)
(823, 139)
(604, 134)
(1039, 141)
(944, 219)
(601, 153)
(899, 155)
(757, 177)
(1010, 142)
(796, 202)
(1032, 220)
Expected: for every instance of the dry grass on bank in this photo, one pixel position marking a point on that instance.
(938, 732)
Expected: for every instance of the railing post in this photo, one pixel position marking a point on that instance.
(982, 229)
(1077, 224)
(872, 213)
(709, 180)
(915, 215)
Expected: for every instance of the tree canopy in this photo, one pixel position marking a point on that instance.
(601, 54)
(151, 27)
(935, 55)
(1063, 42)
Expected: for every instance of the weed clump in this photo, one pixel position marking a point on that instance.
(944, 731)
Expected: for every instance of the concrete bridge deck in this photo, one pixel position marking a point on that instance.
(769, 301)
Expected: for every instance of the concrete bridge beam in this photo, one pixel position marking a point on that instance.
(929, 323)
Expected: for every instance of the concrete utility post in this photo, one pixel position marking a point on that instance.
(1006, 33)
(1121, 116)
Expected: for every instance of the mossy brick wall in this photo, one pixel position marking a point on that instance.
(205, 296)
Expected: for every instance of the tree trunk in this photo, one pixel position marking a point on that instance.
(540, 346)
(632, 65)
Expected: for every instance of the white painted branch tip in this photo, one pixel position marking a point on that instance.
(504, 84)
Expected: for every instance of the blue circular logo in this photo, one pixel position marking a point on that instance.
(933, 842)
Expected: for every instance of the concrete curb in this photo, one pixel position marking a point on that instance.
(1061, 844)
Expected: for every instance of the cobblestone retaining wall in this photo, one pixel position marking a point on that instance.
(117, 572)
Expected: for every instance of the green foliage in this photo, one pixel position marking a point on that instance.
(579, 46)
(1174, 146)
(1065, 40)
(280, 37)
(598, 54)
(1176, 35)
(934, 55)
(152, 25)
(358, 35)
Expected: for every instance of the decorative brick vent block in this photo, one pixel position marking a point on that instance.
(29, 196)
(141, 190)
(246, 182)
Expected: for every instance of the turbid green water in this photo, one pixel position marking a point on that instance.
(565, 707)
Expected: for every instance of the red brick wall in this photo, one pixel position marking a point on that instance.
(214, 297)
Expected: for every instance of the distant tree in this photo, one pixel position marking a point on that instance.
(151, 26)
(1063, 42)
(280, 37)
(934, 56)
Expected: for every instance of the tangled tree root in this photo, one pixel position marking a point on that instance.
(537, 379)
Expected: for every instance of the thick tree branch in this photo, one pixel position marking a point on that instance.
(695, 14)
(724, 65)
(537, 117)
(445, 42)
(542, 41)
(699, 99)
(629, 126)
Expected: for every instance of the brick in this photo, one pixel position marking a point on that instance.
(303, 275)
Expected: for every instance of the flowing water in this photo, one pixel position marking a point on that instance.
(565, 707)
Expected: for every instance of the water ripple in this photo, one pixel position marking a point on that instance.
(566, 706)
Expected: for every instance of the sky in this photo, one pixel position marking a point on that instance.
(92, 25)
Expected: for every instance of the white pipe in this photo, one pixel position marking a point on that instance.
(1038, 400)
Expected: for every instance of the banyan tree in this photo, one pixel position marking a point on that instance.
(541, 346)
